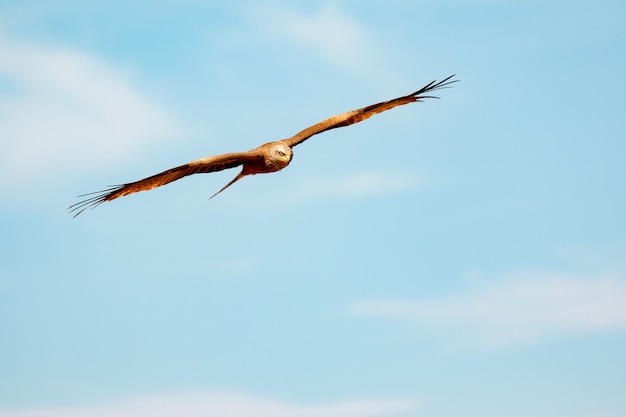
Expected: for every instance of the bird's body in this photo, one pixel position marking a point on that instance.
(269, 157)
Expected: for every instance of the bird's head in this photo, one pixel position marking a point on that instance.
(279, 155)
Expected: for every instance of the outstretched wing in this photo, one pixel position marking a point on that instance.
(200, 166)
(356, 116)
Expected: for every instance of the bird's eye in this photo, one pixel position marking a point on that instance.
(281, 153)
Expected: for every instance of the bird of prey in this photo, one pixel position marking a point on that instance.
(270, 157)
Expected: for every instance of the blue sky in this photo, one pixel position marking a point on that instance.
(463, 256)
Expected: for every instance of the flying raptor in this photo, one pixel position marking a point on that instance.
(270, 157)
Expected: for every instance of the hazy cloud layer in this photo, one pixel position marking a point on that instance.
(526, 309)
(225, 405)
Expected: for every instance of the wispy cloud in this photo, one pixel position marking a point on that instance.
(329, 34)
(225, 405)
(526, 309)
(355, 185)
(64, 107)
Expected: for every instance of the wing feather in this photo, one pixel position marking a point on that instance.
(355, 116)
(200, 166)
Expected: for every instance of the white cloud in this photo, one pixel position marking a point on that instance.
(63, 107)
(224, 405)
(526, 309)
(355, 185)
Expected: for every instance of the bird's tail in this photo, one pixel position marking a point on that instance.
(234, 180)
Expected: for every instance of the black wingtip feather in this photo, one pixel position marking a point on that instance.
(434, 85)
(98, 198)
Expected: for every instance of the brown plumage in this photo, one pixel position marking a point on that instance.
(269, 157)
